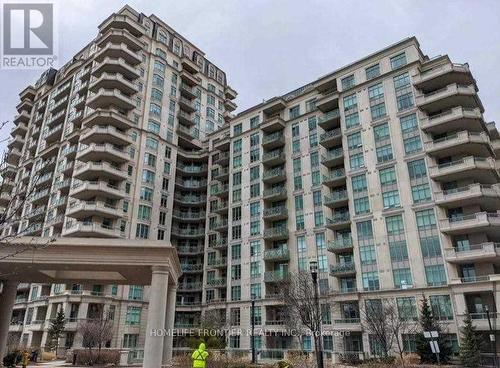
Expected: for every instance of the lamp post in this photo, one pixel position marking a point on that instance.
(252, 312)
(492, 336)
(313, 266)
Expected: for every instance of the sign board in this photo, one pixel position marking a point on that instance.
(434, 347)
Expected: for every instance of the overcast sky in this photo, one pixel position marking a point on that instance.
(269, 47)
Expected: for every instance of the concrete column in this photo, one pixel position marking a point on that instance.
(8, 297)
(153, 346)
(169, 325)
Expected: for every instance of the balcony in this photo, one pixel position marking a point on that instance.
(122, 21)
(276, 233)
(118, 51)
(448, 97)
(272, 124)
(113, 81)
(84, 209)
(218, 244)
(187, 232)
(187, 105)
(91, 229)
(23, 117)
(486, 196)
(19, 129)
(189, 136)
(105, 134)
(217, 282)
(230, 105)
(56, 118)
(189, 65)
(340, 245)
(190, 199)
(275, 175)
(335, 178)
(191, 268)
(275, 276)
(472, 143)
(220, 191)
(333, 158)
(188, 216)
(185, 118)
(331, 138)
(443, 75)
(187, 91)
(116, 66)
(52, 135)
(230, 93)
(275, 194)
(120, 36)
(91, 189)
(16, 142)
(110, 97)
(191, 287)
(220, 226)
(330, 119)
(276, 213)
(481, 169)
(189, 250)
(278, 254)
(192, 169)
(343, 269)
(189, 78)
(273, 140)
(91, 170)
(339, 221)
(191, 184)
(484, 222)
(485, 252)
(107, 117)
(328, 101)
(274, 158)
(220, 262)
(221, 158)
(28, 93)
(337, 199)
(456, 118)
(102, 151)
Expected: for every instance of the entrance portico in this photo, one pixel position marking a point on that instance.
(105, 261)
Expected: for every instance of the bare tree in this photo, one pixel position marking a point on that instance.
(96, 333)
(382, 320)
(300, 309)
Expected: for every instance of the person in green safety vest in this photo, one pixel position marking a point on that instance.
(199, 356)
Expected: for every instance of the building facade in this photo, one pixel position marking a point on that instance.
(384, 172)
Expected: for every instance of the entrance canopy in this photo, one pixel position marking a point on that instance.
(71, 260)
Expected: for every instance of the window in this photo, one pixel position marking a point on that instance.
(236, 162)
(351, 120)
(361, 205)
(364, 229)
(430, 246)
(407, 308)
(311, 123)
(367, 255)
(146, 194)
(299, 222)
(314, 159)
(254, 209)
(236, 251)
(421, 193)
(144, 212)
(370, 280)
(348, 82)
(381, 132)
(384, 153)
(391, 199)
(254, 139)
(313, 140)
(317, 200)
(297, 165)
(255, 155)
(237, 146)
(398, 61)
(416, 169)
(294, 112)
(372, 71)
(256, 291)
(236, 213)
(254, 190)
(402, 277)
(377, 103)
(142, 231)
(354, 141)
(356, 161)
(359, 183)
(255, 269)
(404, 95)
(318, 218)
(299, 203)
(237, 129)
(135, 292)
(133, 316)
(130, 341)
(426, 219)
(295, 130)
(254, 228)
(441, 307)
(398, 251)
(254, 173)
(394, 225)
(435, 275)
(408, 123)
(254, 122)
(412, 145)
(350, 102)
(152, 143)
(387, 176)
(237, 178)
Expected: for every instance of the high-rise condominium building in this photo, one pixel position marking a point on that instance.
(384, 172)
